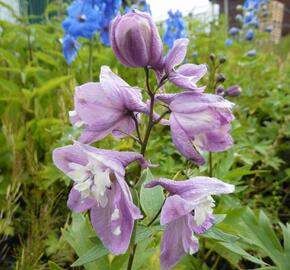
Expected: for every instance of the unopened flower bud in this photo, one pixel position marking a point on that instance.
(220, 90)
(220, 78)
(212, 57)
(251, 53)
(136, 41)
(222, 60)
(233, 91)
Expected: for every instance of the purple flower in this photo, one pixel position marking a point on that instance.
(136, 41)
(106, 107)
(187, 212)
(251, 53)
(199, 122)
(185, 76)
(99, 186)
(233, 91)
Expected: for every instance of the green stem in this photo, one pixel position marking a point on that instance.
(91, 60)
(210, 171)
(151, 122)
(143, 150)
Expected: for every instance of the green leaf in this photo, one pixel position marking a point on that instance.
(53, 266)
(238, 250)
(98, 250)
(78, 236)
(217, 234)
(151, 199)
(51, 85)
(91, 255)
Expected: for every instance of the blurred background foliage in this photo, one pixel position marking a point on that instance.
(37, 231)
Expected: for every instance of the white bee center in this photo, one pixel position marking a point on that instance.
(92, 180)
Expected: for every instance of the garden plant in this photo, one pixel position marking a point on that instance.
(119, 151)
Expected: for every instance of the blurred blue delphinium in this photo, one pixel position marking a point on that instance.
(85, 19)
(229, 42)
(234, 31)
(174, 28)
(108, 9)
(70, 48)
(250, 35)
(140, 5)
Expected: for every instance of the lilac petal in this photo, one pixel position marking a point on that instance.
(122, 158)
(186, 77)
(76, 204)
(177, 54)
(183, 142)
(176, 242)
(126, 125)
(174, 187)
(121, 93)
(189, 102)
(216, 141)
(174, 208)
(209, 222)
(114, 223)
(166, 98)
(62, 156)
(196, 185)
(92, 100)
(90, 135)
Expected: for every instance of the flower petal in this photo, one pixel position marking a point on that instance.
(186, 77)
(199, 185)
(114, 223)
(177, 54)
(183, 142)
(77, 204)
(176, 242)
(174, 208)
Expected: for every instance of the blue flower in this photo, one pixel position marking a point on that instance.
(145, 7)
(70, 48)
(108, 10)
(83, 19)
(250, 35)
(174, 28)
(251, 53)
(229, 42)
(234, 31)
(141, 5)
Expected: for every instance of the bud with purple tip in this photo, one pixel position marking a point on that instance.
(251, 53)
(220, 90)
(233, 91)
(136, 41)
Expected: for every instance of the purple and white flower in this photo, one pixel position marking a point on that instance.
(199, 122)
(106, 107)
(99, 186)
(187, 212)
(185, 76)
